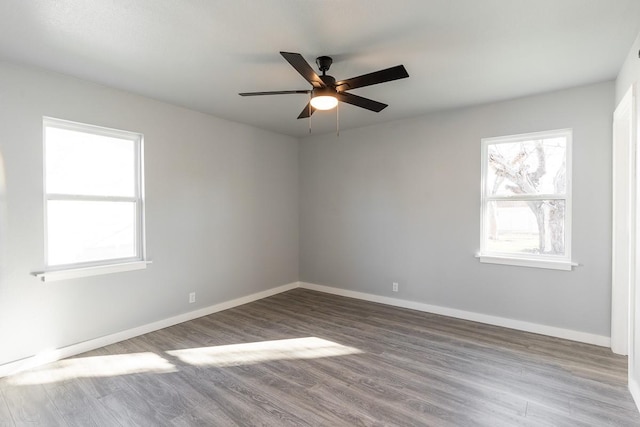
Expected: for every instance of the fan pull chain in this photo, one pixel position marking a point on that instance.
(338, 120)
(309, 104)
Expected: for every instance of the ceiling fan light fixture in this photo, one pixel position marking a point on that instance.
(324, 102)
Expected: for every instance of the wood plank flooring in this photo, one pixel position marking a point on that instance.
(305, 358)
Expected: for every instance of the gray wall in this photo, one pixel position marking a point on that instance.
(401, 202)
(393, 202)
(222, 214)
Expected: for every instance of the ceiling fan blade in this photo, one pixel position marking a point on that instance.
(275, 92)
(360, 101)
(382, 76)
(298, 62)
(307, 111)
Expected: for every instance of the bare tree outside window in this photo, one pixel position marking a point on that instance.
(525, 195)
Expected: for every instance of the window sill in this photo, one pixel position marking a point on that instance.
(72, 273)
(527, 262)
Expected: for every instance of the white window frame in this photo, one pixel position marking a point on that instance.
(82, 269)
(528, 260)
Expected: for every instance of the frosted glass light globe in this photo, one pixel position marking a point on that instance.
(324, 102)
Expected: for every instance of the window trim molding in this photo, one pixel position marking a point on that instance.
(95, 270)
(525, 260)
(104, 266)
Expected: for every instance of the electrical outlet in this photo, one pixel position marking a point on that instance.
(395, 287)
(192, 297)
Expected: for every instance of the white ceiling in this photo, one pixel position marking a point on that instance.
(201, 53)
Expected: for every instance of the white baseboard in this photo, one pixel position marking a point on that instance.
(75, 349)
(552, 331)
(82, 347)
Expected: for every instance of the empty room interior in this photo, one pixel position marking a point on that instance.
(319, 213)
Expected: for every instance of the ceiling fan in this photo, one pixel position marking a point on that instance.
(326, 91)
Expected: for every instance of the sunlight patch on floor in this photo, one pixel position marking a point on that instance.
(264, 351)
(95, 367)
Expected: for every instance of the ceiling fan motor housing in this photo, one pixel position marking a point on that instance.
(323, 91)
(328, 80)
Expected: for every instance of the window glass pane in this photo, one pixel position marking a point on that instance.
(527, 167)
(82, 163)
(85, 231)
(525, 227)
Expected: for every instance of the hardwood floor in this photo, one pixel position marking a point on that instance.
(304, 358)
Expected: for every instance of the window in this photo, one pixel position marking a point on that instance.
(93, 197)
(526, 200)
